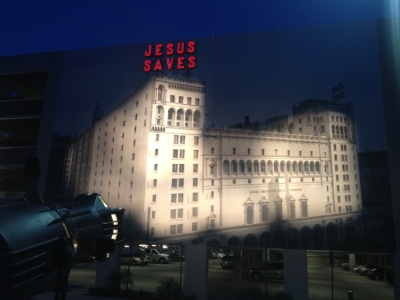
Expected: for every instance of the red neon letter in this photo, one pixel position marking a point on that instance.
(158, 65)
(148, 52)
(180, 63)
(169, 63)
(147, 64)
(191, 62)
(158, 51)
(180, 48)
(170, 49)
(191, 47)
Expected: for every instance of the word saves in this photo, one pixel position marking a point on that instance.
(182, 56)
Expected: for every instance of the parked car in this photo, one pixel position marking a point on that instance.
(213, 255)
(136, 258)
(224, 259)
(357, 268)
(366, 268)
(228, 265)
(378, 273)
(176, 257)
(274, 270)
(345, 266)
(155, 256)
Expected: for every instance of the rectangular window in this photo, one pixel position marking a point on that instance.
(195, 182)
(288, 153)
(180, 213)
(180, 198)
(262, 151)
(153, 214)
(189, 101)
(172, 229)
(155, 167)
(173, 198)
(172, 98)
(195, 168)
(181, 153)
(195, 212)
(152, 231)
(180, 228)
(180, 99)
(175, 153)
(212, 194)
(181, 168)
(234, 150)
(212, 181)
(248, 151)
(212, 208)
(173, 214)
(194, 226)
(176, 139)
(182, 139)
(335, 157)
(174, 168)
(311, 153)
(174, 183)
(196, 140)
(181, 182)
(197, 101)
(195, 153)
(212, 222)
(195, 196)
(300, 153)
(338, 188)
(154, 182)
(212, 150)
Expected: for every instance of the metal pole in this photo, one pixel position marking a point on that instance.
(350, 294)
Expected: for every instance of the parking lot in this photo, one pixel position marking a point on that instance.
(227, 284)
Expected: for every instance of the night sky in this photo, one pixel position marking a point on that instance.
(256, 60)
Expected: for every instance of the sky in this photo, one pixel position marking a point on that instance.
(260, 75)
(257, 59)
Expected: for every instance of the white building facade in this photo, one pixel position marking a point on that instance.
(182, 183)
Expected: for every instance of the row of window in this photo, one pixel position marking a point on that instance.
(180, 99)
(180, 168)
(316, 119)
(288, 152)
(178, 228)
(269, 167)
(264, 211)
(180, 153)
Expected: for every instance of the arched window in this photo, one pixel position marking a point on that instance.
(292, 211)
(160, 115)
(278, 206)
(269, 167)
(317, 167)
(294, 166)
(171, 116)
(188, 118)
(226, 167)
(282, 166)
(160, 93)
(256, 169)
(263, 167)
(264, 213)
(196, 119)
(288, 166)
(179, 117)
(306, 169)
(241, 166)
(234, 167)
(312, 166)
(301, 166)
(249, 169)
(304, 210)
(249, 215)
(276, 166)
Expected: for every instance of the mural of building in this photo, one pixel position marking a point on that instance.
(181, 182)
